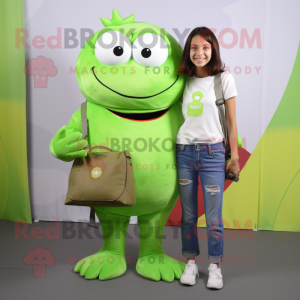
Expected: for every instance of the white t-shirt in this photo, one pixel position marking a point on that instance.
(202, 124)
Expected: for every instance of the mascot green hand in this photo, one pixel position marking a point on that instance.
(68, 147)
(128, 73)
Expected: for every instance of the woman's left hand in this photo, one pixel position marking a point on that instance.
(234, 167)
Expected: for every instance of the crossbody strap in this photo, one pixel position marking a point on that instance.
(220, 102)
(84, 122)
(84, 125)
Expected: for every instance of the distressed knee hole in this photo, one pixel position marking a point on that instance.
(212, 189)
(184, 181)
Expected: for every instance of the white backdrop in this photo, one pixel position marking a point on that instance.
(261, 66)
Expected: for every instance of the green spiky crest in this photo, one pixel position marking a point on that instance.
(117, 19)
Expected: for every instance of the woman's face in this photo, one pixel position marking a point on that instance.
(200, 51)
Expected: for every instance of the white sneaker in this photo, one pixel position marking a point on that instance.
(189, 275)
(215, 280)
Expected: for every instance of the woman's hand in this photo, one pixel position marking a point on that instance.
(233, 166)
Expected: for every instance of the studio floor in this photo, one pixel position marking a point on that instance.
(257, 265)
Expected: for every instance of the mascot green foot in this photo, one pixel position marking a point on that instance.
(159, 266)
(103, 264)
(153, 263)
(109, 262)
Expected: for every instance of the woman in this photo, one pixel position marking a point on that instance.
(200, 149)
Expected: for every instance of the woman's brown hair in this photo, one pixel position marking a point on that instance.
(214, 66)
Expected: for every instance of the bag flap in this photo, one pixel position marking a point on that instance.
(98, 176)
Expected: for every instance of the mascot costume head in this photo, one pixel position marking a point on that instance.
(128, 73)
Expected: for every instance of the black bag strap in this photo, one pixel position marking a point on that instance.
(84, 125)
(220, 102)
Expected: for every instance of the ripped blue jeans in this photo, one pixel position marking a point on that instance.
(209, 161)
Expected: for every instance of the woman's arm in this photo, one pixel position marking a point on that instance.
(232, 135)
(231, 127)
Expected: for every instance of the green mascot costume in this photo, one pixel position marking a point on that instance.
(128, 73)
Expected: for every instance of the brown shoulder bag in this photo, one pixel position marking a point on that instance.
(101, 178)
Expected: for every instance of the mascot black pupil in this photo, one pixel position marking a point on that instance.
(118, 51)
(146, 52)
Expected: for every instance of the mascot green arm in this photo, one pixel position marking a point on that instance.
(68, 143)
